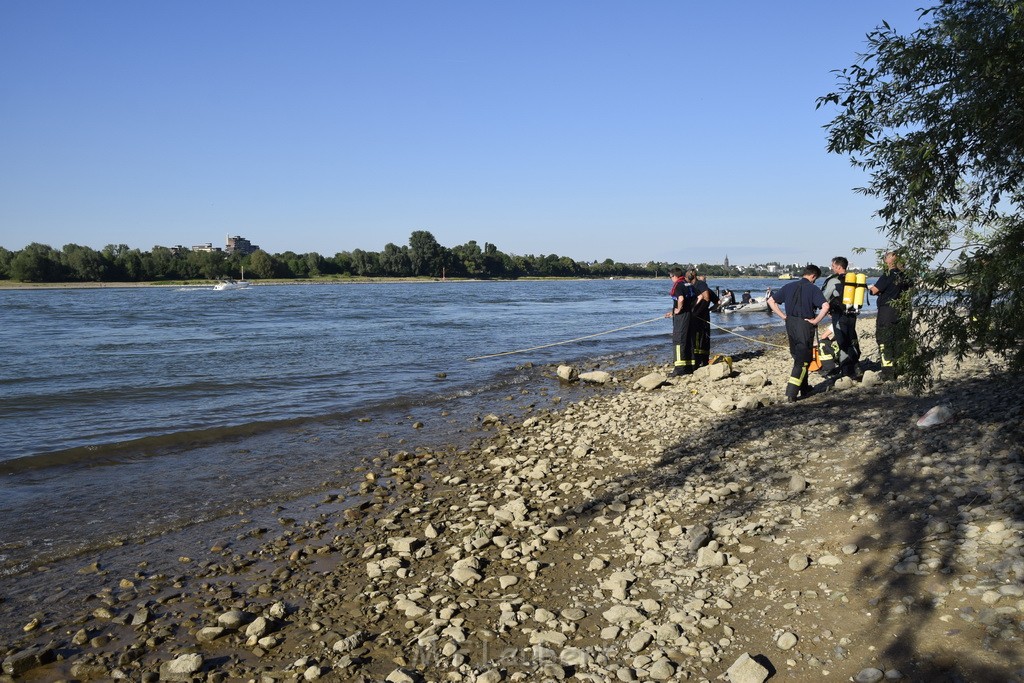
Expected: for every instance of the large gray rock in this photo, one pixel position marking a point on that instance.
(698, 536)
(706, 557)
(748, 403)
(869, 675)
(210, 633)
(181, 668)
(722, 405)
(651, 381)
(26, 660)
(747, 670)
(622, 614)
(871, 378)
(404, 544)
(567, 373)
(662, 670)
(232, 619)
(713, 373)
(401, 675)
(844, 383)
(596, 377)
(799, 562)
(787, 641)
(755, 380)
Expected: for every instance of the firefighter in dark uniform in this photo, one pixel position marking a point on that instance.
(801, 299)
(702, 315)
(684, 296)
(888, 288)
(844, 320)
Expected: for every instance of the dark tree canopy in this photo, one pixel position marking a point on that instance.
(936, 118)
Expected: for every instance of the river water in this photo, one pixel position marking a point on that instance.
(125, 412)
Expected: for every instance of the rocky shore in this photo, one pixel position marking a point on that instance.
(665, 529)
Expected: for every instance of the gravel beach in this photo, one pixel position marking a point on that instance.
(663, 529)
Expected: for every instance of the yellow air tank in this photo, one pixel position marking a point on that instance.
(862, 289)
(849, 287)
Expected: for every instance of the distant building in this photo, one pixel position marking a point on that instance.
(240, 245)
(206, 247)
(726, 262)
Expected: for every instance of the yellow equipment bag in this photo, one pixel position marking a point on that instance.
(719, 357)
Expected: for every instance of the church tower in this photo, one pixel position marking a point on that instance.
(726, 262)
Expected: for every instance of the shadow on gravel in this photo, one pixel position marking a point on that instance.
(937, 491)
(948, 496)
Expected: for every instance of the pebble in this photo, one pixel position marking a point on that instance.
(869, 675)
(786, 641)
(799, 562)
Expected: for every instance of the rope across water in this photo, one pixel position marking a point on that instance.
(617, 329)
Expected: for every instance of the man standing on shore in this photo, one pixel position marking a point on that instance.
(801, 299)
(888, 288)
(844, 320)
(684, 296)
(702, 315)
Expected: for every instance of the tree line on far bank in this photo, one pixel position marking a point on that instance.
(422, 257)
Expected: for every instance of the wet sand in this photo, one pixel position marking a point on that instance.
(672, 533)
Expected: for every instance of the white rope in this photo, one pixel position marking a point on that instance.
(617, 329)
(568, 341)
(741, 336)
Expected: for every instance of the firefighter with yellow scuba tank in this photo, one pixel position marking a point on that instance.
(888, 288)
(684, 297)
(840, 291)
(801, 298)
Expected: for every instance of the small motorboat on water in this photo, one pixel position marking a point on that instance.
(753, 306)
(231, 283)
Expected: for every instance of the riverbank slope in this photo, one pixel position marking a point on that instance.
(659, 534)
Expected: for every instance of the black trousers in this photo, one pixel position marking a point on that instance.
(702, 337)
(683, 333)
(888, 334)
(801, 342)
(845, 328)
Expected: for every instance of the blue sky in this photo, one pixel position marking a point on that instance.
(667, 131)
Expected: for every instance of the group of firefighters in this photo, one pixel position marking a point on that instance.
(802, 305)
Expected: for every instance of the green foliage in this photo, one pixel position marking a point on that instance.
(6, 257)
(426, 254)
(261, 265)
(936, 118)
(83, 264)
(119, 263)
(37, 263)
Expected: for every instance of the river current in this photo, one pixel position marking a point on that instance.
(125, 412)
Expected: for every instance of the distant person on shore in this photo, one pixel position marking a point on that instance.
(801, 299)
(888, 288)
(683, 298)
(706, 299)
(844, 320)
